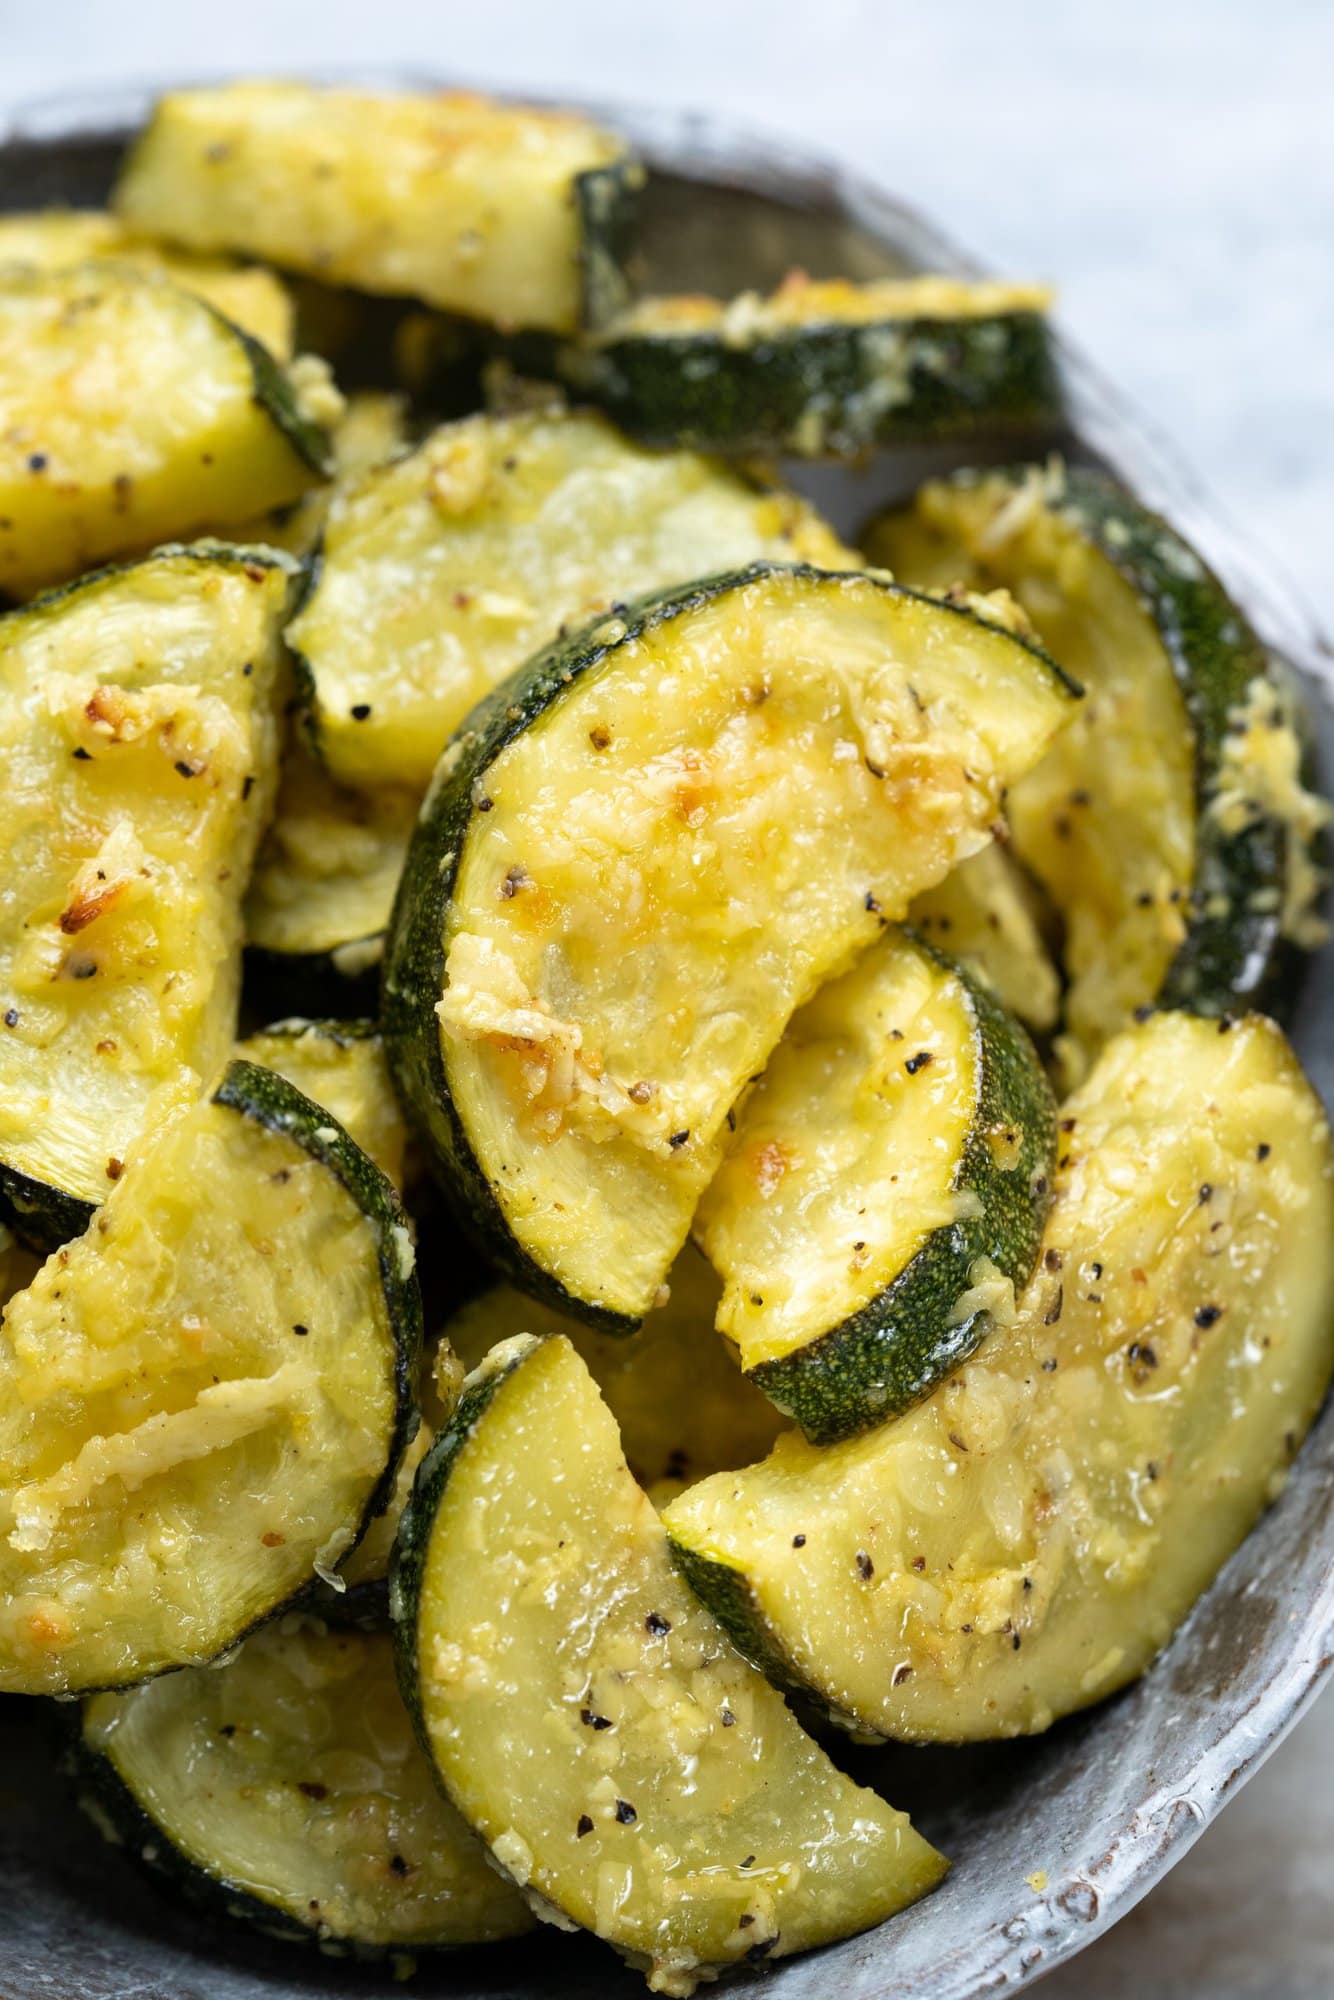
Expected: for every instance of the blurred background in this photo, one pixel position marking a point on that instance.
(1170, 167)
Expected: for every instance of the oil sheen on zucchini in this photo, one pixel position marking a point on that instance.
(647, 850)
(827, 369)
(442, 573)
(889, 1175)
(1027, 1540)
(1170, 826)
(592, 1722)
(205, 1398)
(683, 1407)
(341, 1066)
(138, 755)
(51, 239)
(499, 211)
(285, 1788)
(133, 413)
(986, 914)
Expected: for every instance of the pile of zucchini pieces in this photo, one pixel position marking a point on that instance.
(698, 927)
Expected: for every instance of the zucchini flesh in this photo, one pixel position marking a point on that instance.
(340, 1065)
(372, 427)
(138, 757)
(890, 1172)
(825, 369)
(134, 413)
(442, 573)
(203, 1399)
(683, 1407)
(54, 238)
(647, 851)
(498, 211)
(285, 1787)
(1024, 1543)
(985, 914)
(1170, 826)
(593, 1723)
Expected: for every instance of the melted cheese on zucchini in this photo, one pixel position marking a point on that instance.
(133, 414)
(199, 1399)
(443, 572)
(288, 1783)
(593, 1723)
(802, 302)
(138, 755)
(673, 855)
(479, 207)
(1027, 1540)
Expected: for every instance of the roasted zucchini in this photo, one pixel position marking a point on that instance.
(888, 1180)
(138, 757)
(1170, 826)
(1026, 1541)
(683, 1407)
(52, 239)
(372, 426)
(988, 916)
(645, 852)
(205, 1398)
(442, 573)
(505, 213)
(826, 369)
(133, 412)
(593, 1723)
(340, 1065)
(284, 1787)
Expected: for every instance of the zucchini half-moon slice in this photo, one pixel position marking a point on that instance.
(644, 853)
(825, 369)
(285, 1788)
(502, 212)
(1171, 825)
(204, 1400)
(683, 1407)
(441, 573)
(888, 1181)
(1025, 1542)
(134, 414)
(340, 1065)
(593, 1723)
(138, 758)
(989, 917)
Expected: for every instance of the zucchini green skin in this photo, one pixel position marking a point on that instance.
(606, 200)
(414, 965)
(819, 391)
(1234, 955)
(274, 393)
(902, 1345)
(270, 1100)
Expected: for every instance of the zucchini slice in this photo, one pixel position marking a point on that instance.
(1025, 1542)
(828, 369)
(1170, 826)
(683, 1407)
(133, 413)
(442, 573)
(284, 1787)
(499, 211)
(646, 851)
(890, 1170)
(52, 239)
(616, 1754)
(205, 1398)
(986, 915)
(340, 1065)
(138, 756)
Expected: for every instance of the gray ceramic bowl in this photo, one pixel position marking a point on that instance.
(1105, 1803)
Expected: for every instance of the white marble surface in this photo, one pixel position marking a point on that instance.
(1169, 164)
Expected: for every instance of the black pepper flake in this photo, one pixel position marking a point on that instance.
(37, 461)
(1016, 1641)
(625, 1813)
(484, 804)
(1049, 1365)
(657, 1624)
(872, 904)
(11, 1017)
(1226, 1023)
(957, 1441)
(757, 1298)
(1142, 1014)
(84, 756)
(745, 1920)
(677, 1139)
(312, 1790)
(798, 1541)
(592, 1720)
(228, 1729)
(298, 1328)
(1208, 1315)
(1028, 1583)
(918, 1061)
(1056, 1308)
(901, 1674)
(865, 1567)
(1142, 1355)
(83, 968)
(763, 1948)
(731, 1121)
(726, 1717)
(1054, 1261)
(247, 786)
(1206, 1193)
(1095, 1270)
(582, 1826)
(186, 769)
(516, 878)
(919, 1564)
(749, 1861)
(360, 711)
(1263, 1150)
(397, 1865)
